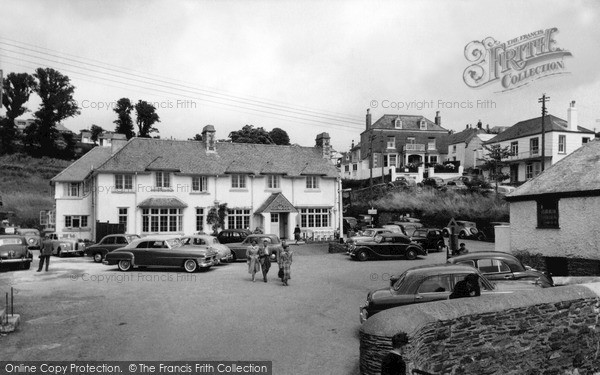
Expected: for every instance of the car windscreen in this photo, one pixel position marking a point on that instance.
(420, 233)
(174, 243)
(10, 241)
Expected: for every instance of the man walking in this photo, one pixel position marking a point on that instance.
(45, 252)
(264, 259)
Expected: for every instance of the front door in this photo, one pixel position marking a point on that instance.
(274, 223)
(283, 225)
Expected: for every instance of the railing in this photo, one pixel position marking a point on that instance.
(414, 147)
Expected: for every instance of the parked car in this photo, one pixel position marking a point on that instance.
(457, 185)
(394, 228)
(32, 236)
(65, 243)
(386, 246)
(367, 235)
(232, 235)
(434, 182)
(107, 244)
(351, 222)
(14, 252)
(161, 251)
(224, 253)
(466, 229)
(408, 226)
(402, 181)
(239, 249)
(430, 283)
(429, 239)
(505, 189)
(496, 265)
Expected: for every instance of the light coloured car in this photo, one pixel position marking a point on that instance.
(32, 236)
(224, 253)
(505, 189)
(65, 243)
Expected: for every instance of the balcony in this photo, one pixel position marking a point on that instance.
(412, 147)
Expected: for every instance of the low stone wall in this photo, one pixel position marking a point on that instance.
(560, 266)
(534, 332)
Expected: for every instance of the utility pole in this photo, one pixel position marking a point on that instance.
(371, 161)
(543, 100)
(1, 87)
(382, 157)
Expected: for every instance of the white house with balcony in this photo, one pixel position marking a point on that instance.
(156, 186)
(525, 139)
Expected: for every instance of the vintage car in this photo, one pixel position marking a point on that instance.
(109, 243)
(161, 251)
(14, 252)
(367, 235)
(32, 236)
(239, 249)
(232, 235)
(430, 283)
(430, 239)
(466, 229)
(224, 253)
(65, 243)
(496, 265)
(408, 226)
(386, 246)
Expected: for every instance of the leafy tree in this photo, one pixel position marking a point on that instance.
(197, 137)
(17, 88)
(250, 134)
(216, 217)
(494, 162)
(124, 121)
(146, 117)
(279, 137)
(96, 132)
(56, 93)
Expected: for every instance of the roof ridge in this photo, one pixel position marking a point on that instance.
(81, 159)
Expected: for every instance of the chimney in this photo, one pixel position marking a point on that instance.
(572, 117)
(368, 120)
(438, 118)
(322, 141)
(467, 126)
(118, 141)
(208, 138)
(487, 128)
(351, 147)
(479, 125)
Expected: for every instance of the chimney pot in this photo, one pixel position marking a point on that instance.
(368, 119)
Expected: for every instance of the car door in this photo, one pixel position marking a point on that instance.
(118, 242)
(383, 246)
(434, 288)
(398, 247)
(141, 253)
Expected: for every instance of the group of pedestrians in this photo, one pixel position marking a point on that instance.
(259, 259)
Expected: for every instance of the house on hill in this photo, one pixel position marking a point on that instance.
(467, 146)
(158, 186)
(556, 215)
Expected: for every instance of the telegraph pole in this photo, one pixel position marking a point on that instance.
(1, 87)
(543, 100)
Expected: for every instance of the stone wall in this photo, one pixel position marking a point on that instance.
(534, 332)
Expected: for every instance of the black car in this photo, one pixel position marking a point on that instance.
(108, 244)
(232, 235)
(496, 265)
(14, 252)
(429, 239)
(386, 246)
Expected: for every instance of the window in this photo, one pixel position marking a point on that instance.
(123, 182)
(585, 140)
(273, 182)
(435, 284)
(562, 142)
(312, 182)
(199, 184)
(274, 217)
(514, 148)
(238, 219)
(355, 167)
(314, 217)
(76, 221)
(73, 189)
(433, 159)
(199, 219)
(534, 146)
(163, 180)
(453, 148)
(431, 144)
(347, 168)
(547, 213)
(529, 171)
(492, 266)
(410, 140)
(392, 160)
(123, 217)
(422, 125)
(238, 181)
(398, 123)
(391, 142)
(162, 220)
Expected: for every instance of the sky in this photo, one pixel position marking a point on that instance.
(306, 67)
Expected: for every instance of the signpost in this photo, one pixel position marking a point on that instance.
(453, 238)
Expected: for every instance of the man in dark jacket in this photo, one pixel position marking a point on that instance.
(469, 287)
(393, 363)
(264, 258)
(45, 252)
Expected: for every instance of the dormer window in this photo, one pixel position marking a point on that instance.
(398, 123)
(422, 125)
(163, 180)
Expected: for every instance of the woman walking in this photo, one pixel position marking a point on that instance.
(286, 264)
(252, 259)
(264, 257)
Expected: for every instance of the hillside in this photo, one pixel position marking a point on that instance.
(25, 185)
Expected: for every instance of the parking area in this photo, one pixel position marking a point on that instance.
(82, 310)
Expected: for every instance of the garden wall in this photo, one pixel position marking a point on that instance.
(534, 332)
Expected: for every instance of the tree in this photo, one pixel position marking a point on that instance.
(249, 134)
(197, 137)
(216, 217)
(56, 93)
(146, 117)
(279, 137)
(17, 88)
(495, 161)
(123, 121)
(96, 132)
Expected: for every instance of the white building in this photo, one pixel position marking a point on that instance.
(467, 146)
(166, 186)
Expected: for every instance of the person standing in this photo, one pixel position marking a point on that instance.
(393, 363)
(285, 263)
(297, 232)
(252, 259)
(264, 257)
(45, 252)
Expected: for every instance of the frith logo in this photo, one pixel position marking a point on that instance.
(515, 63)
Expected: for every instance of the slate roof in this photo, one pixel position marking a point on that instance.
(534, 126)
(276, 202)
(162, 202)
(191, 157)
(464, 136)
(83, 166)
(409, 122)
(575, 174)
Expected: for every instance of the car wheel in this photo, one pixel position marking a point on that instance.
(233, 257)
(462, 235)
(124, 265)
(440, 246)
(190, 265)
(362, 256)
(97, 257)
(411, 254)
